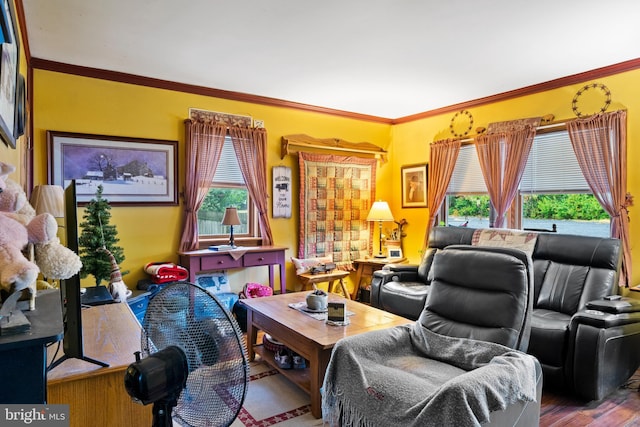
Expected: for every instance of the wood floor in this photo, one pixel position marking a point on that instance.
(620, 409)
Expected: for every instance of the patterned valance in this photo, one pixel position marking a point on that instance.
(513, 125)
(223, 118)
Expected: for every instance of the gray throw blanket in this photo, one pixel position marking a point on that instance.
(410, 376)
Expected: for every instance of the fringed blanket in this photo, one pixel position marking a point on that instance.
(411, 376)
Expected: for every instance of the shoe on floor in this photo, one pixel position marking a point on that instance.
(283, 360)
(299, 362)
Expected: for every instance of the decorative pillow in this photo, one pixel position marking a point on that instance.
(304, 265)
(505, 238)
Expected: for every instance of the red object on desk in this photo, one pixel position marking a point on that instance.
(163, 272)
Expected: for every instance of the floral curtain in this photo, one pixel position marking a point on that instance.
(600, 144)
(442, 161)
(503, 153)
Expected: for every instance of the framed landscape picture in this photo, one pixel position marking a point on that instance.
(132, 171)
(9, 44)
(414, 186)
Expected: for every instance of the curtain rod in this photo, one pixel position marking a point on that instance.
(547, 126)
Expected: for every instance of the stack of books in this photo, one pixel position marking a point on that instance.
(221, 247)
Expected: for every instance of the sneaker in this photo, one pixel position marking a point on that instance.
(299, 362)
(283, 360)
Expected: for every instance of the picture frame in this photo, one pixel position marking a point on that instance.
(414, 185)
(10, 113)
(132, 171)
(394, 253)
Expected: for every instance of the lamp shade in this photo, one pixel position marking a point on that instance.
(48, 199)
(380, 211)
(231, 217)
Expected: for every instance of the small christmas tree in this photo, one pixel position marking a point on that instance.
(97, 234)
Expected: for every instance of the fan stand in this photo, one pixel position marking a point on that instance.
(162, 411)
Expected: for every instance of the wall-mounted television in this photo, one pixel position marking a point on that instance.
(70, 289)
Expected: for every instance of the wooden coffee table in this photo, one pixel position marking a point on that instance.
(311, 338)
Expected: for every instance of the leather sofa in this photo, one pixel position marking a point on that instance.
(586, 341)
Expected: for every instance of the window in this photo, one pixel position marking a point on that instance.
(553, 191)
(227, 189)
(467, 201)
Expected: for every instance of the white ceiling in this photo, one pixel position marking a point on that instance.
(377, 57)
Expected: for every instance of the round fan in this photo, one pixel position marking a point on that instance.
(195, 368)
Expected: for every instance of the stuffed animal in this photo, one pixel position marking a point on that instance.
(19, 227)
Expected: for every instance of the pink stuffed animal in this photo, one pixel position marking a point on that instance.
(19, 227)
(16, 271)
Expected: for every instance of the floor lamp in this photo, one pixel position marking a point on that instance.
(380, 212)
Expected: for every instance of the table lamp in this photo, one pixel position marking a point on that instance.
(380, 212)
(48, 199)
(231, 218)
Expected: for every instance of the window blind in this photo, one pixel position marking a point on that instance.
(552, 167)
(228, 170)
(467, 175)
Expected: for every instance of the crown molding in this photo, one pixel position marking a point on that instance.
(78, 70)
(597, 73)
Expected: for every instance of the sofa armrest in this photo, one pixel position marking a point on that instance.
(615, 304)
(399, 272)
(602, 319)
(391, 272)
(602, 352)
(379, 278)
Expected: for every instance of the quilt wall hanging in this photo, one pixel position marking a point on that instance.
(336, 194)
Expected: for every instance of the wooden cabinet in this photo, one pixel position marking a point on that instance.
(23, 356)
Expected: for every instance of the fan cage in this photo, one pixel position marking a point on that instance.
(188, 316)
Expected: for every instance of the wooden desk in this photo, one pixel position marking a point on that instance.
(96, 396)
(366, 267)
(309, 279)
(249, 256)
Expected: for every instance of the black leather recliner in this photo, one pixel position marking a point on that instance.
(490, 301)
(585, 344)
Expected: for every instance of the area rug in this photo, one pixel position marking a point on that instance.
(272, 400)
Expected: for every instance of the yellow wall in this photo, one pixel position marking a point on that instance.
(71, 103)
(79, 104)
(410, 141)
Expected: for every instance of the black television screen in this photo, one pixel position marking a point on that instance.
(70, 289)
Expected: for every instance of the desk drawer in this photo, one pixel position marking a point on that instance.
(219, 262)
(264, 258)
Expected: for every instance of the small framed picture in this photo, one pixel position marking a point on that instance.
(336, 312)
(394, 253)
(414, 186)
